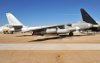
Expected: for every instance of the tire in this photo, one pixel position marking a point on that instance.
(11, 32)
(71, 34)
(4, 32)
(32, 33)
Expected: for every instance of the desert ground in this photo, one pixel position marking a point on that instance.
(28, 38)
(49, 56)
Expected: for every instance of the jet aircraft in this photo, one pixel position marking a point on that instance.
(6, 29)
(50, 29)
(87, 18)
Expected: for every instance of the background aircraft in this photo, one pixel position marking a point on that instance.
(87, 18)
(50, 29)
(6, 29)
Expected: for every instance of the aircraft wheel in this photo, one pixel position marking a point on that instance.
(4, 32)
(71, 34)
(32, 33)
(42, 34)
(11, 32)
(7, 32)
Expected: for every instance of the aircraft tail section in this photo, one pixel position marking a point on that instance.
(13, 20)
(86, 17)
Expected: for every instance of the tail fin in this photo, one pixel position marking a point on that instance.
(86, 17)
(13, 20)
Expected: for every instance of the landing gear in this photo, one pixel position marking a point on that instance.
(71, 34)
(32, 33)
(11, 32)
(4, 32)
(39, 34)
(8, 32)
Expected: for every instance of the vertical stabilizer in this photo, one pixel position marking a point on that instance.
(86, 17)
(13, 20)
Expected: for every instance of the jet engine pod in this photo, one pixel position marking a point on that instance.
(63, 31)
(51, 30)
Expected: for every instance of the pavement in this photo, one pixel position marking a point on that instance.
(50, 47)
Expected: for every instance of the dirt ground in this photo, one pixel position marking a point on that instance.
(28, 38)
(49, 56)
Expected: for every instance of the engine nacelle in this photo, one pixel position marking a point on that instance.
(73, 28)
(63, 31)
(11, 29)
(60, 31)
(52, 30)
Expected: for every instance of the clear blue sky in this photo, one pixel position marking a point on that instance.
(45, 12)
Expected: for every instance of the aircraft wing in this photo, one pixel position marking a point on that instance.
(45, 27)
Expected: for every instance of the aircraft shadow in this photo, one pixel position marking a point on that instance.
(89, 34)
(48, 38)
(24, 35)
(58, 37)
